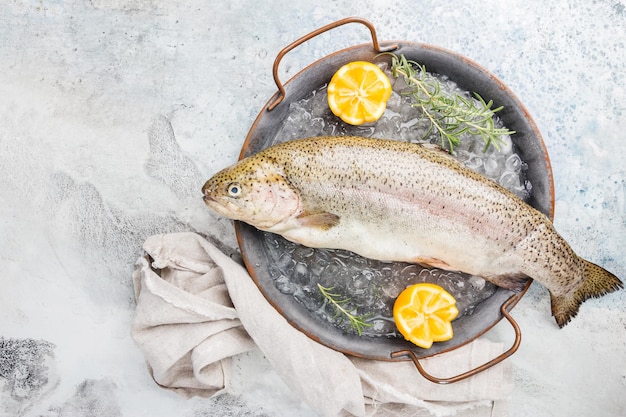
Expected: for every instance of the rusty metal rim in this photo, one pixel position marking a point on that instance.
(277, 98)
(281, 90)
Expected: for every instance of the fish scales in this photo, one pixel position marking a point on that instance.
(383, 187)
(397, 201)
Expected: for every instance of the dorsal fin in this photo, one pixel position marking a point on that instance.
(441, 153)
(437, 148)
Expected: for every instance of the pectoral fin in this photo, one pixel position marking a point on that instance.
(323, 220)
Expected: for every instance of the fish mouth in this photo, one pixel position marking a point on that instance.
(206, 191)
(209, 199)
(207, 194)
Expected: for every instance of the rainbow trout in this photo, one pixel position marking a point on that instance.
(397, 201)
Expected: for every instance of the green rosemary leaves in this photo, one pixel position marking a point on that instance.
(339, 302)
(450, 115)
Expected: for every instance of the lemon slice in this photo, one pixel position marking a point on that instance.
(358, 92)
(423, 314)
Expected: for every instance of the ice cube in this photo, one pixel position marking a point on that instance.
(395, 103)
(510, 180)
(514, 163)
(284, 285)
(478, 283)
(474, 162)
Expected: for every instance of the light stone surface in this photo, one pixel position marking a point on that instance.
(113, 113)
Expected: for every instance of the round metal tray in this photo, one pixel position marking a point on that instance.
(469, 76)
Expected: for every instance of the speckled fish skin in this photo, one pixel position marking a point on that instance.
(397, 201)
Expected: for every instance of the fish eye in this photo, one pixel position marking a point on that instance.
(234, 189)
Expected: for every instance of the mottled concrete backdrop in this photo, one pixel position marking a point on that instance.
(113, 113)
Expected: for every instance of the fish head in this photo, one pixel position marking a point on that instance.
(252, 191)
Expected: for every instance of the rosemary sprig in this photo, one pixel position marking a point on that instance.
(449, 115)
(339, 302)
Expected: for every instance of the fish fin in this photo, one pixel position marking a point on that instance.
(514, 282)
(432, 263)
(432, 147)
(597, 282)
(323, 220)
(441, 151)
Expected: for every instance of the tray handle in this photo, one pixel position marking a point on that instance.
(283, 52)
(518, 338)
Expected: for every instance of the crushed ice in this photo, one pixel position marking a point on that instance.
(371, 286)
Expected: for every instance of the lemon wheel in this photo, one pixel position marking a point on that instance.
(423, 314)
(358, 92)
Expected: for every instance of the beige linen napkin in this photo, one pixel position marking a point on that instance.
(197, 308)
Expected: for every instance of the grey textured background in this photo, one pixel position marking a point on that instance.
(113, 113)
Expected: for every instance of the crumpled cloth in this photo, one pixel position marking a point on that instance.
(197, 308)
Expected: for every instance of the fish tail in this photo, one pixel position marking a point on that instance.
(596, 283)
